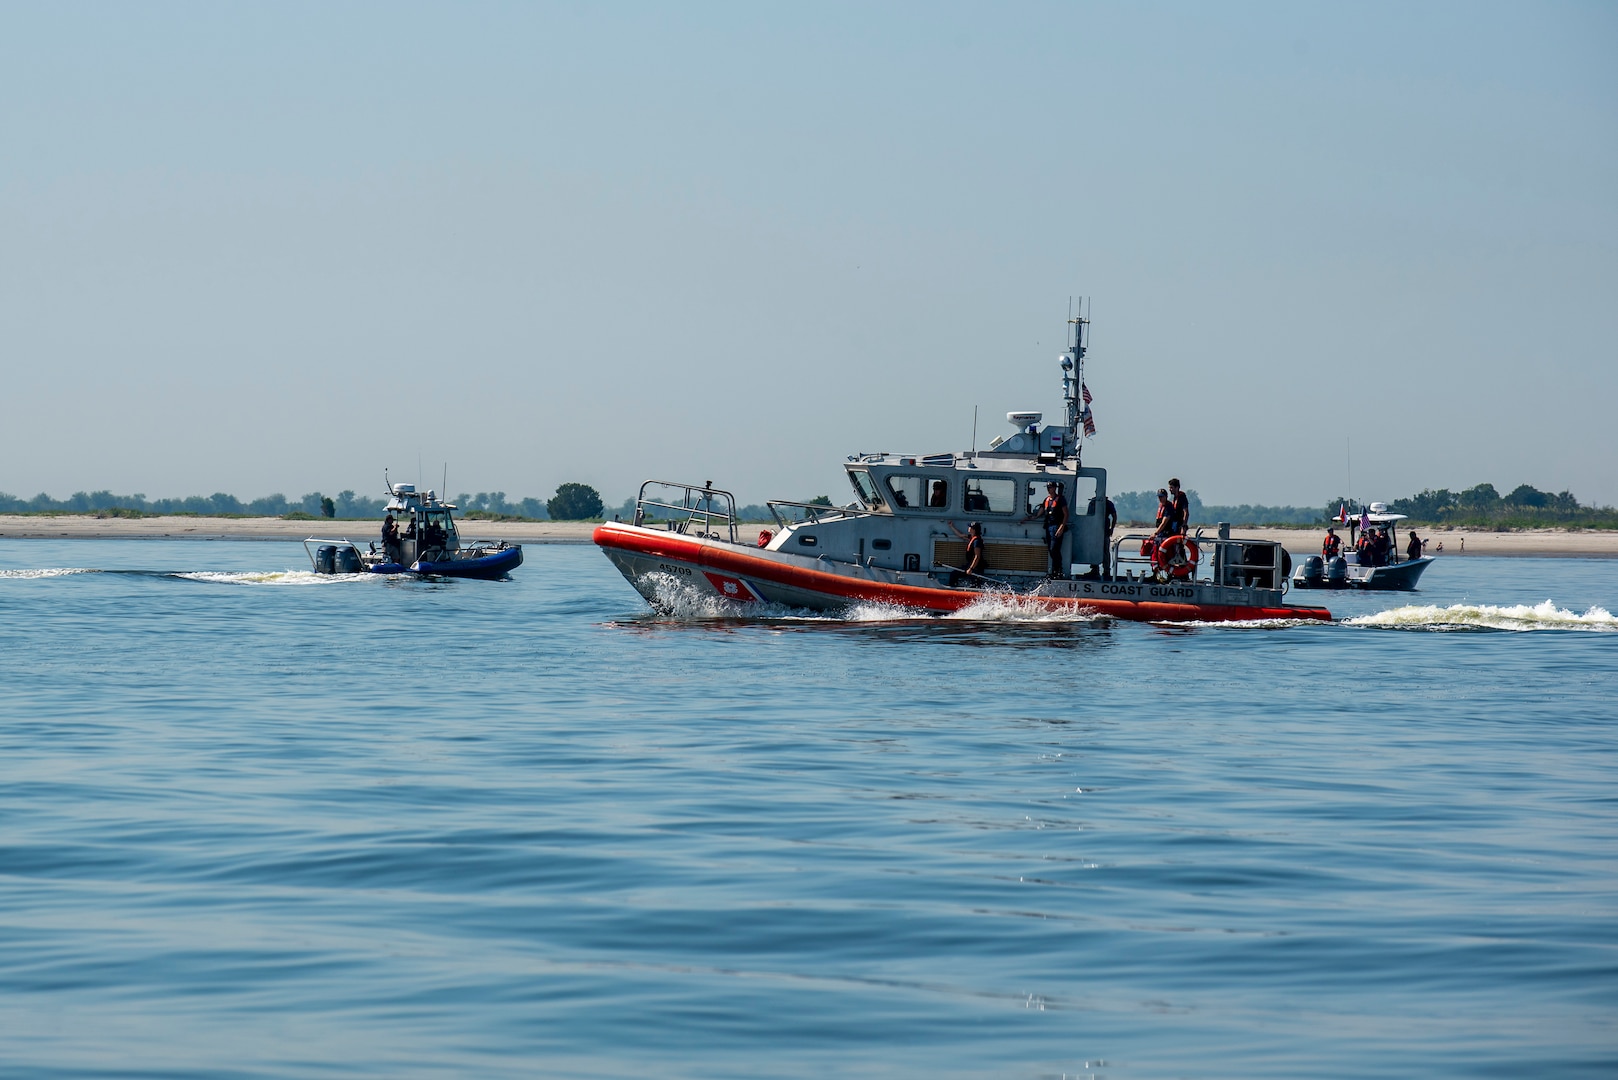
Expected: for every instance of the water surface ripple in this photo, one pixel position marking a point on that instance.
(258, 824)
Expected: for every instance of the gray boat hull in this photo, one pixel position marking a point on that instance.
(1398, 577)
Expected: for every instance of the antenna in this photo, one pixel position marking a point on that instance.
(1072, 362)
(443, 492)
(974, 433)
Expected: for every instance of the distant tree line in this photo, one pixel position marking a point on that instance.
(1524, 507)
(315, 504)
(572, 502)
(1482, 506)
(1140, 508)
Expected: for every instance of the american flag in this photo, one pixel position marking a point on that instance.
(1085, 390)
(1089, 424)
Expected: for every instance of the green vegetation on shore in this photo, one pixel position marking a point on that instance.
(1482, 507)
(1479, 507)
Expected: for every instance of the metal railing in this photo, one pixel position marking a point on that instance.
(1233, 563)
(702, 510)
(814, 513)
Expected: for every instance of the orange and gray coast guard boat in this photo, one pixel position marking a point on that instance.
(901, 541)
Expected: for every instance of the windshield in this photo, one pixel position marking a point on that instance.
(865, 487)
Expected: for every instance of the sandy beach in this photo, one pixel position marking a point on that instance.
(90, 527)
(1555, 542)
(1460, 542)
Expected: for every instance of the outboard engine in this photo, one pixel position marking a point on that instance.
(1312, 574)
(1259, 557)
(326, 559)
(1337, 573)
(347, 561)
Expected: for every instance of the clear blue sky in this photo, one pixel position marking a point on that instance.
(277, 247)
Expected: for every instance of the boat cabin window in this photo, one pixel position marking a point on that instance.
(919, 492)
(881, 544)
(866, 488)
(1080, 492)
(991, 495)
(439, 528)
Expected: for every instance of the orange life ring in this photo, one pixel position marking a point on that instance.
(764, 537)
(1177, 557)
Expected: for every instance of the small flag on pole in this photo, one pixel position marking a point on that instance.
(1085, 390)
(1089, 424)
(1342, 513)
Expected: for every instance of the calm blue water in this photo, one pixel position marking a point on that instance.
(259, 826)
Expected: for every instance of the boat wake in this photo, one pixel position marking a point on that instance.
(271, 577)
(50, 572)
(673, 598)
(1519, 617)
(1008, 607)
(216, 577)
(1242, 624)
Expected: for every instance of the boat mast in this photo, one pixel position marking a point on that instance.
(1073, 379)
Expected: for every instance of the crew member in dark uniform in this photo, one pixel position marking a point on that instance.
(1054, 511)
(1333, 545)
(974, 555)
(390, 538)
(1413, 552)
(1110, 523)
(1182, 508)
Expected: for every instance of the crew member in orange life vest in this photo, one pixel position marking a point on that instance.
(1054, 510)
(1333, 546)
(1165, 517)
(974, 553)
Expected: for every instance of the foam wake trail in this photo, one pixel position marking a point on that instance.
(1009, 607)
(1244, 624)
(50, 572)
(674, 598)
(272, 577)
(1520, 617)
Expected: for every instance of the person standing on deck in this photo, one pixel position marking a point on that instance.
(1413, 552)
(1055, 512)
(974, 554)
(1109, 524)
(1182, 508)
(1333, 545)
(390, 538)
